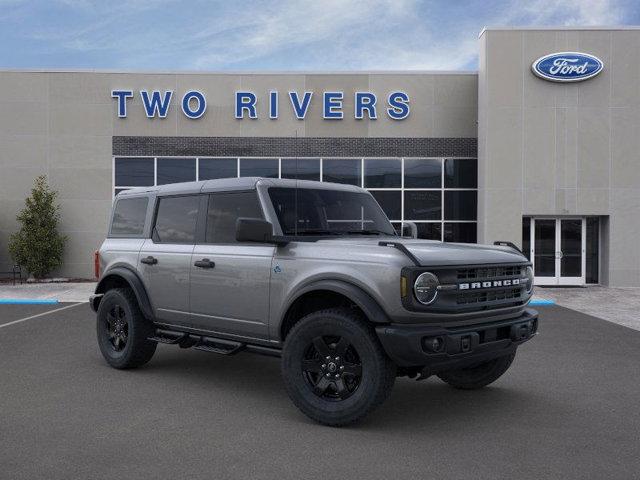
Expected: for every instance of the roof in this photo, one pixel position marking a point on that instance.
(230, 184)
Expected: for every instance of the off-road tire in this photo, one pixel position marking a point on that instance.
(137, 350)
(478, 376)
(377, 372)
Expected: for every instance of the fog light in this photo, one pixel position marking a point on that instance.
(434, 344)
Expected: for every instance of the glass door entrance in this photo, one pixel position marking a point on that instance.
(558, 250)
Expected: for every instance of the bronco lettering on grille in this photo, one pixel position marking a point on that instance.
(491, 284)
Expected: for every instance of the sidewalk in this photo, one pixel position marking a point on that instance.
(615, 304)
(62, 292)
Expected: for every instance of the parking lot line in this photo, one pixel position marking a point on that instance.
(40, 314)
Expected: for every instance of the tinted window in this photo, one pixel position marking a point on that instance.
(134, 172)
(129, 215)
(259, 167)
(341, 171)
(382, 173)
(460, 205)
(175, 170)
(212, 168)
(301, 168)
(307, 211)
(422, 205)
(176, 219)
(460, 232)
(224, 209)
(460, 173)
(422, 173)
(391, 203)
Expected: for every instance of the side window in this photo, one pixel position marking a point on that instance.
(225, 209)
(176, 219)
(128, 216)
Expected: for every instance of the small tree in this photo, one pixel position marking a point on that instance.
(38, 246)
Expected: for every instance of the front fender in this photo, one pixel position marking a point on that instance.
(357, 295)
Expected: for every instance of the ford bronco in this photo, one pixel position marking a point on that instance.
(315, 274)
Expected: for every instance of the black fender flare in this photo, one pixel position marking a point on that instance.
(369, 306)
(134, 282)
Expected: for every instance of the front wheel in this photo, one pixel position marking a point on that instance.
(478, 376)
(334, 368)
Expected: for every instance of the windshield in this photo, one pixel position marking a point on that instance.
(307, 211)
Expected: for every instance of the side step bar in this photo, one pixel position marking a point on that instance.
(221, 346)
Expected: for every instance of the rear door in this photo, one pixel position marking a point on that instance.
(230, 280)
(165, 259)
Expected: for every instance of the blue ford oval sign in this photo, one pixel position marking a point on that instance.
(567, 66)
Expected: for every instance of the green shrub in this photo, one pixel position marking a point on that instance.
(38, 246)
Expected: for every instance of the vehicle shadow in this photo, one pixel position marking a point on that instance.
(412, 405)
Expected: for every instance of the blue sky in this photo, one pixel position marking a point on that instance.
(274, 35)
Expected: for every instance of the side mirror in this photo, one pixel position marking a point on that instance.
(254, 230)
(409, 230)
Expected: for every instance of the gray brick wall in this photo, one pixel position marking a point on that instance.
(288, 146)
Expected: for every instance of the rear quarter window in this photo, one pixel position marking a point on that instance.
(128, 216)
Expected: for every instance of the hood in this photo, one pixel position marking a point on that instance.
(434, 253)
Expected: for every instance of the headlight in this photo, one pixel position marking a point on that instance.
(426, 288)
(529, 274)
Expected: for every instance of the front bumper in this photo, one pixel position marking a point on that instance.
(440, 348)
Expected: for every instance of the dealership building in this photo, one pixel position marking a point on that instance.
(539, 147)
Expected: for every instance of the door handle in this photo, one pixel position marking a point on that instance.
(149, 260)
(204, 263)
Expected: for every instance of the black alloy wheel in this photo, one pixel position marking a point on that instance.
(118, 327)
(332, 368)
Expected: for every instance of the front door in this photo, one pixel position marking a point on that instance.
(558, 250)
(230, 280)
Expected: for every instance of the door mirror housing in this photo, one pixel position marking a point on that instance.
(409, 230)
(254, 230)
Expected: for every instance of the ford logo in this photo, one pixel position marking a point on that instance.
(567, 66)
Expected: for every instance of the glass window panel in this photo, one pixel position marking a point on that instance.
(460, 232)
(176, 170)
(545, 248)
(129, 215)
(460, 205)
(259, 167)
(134, 172)
(118, 190)
(571, 248)
(397, 226)
(301, 168)
(430, 231)
(422, 173)
(526, 237)
(176, 219)
(391, 203)
(382, 173)
(422, 205)
(224, 209)
(212, 168)
(593, 239)
(460, 173)
(339, 170)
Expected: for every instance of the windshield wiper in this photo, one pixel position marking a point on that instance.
(368, 232)
(316, 231)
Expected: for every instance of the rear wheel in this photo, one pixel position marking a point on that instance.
(334, 367)
(123, 331)
(478, 376)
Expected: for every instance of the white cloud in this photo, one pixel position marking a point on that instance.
(306, 34)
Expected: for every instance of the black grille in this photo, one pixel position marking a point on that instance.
(485, 273)
(489, 296)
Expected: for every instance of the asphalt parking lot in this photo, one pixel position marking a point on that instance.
(568, 408)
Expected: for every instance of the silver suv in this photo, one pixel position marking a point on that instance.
(313, 273)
